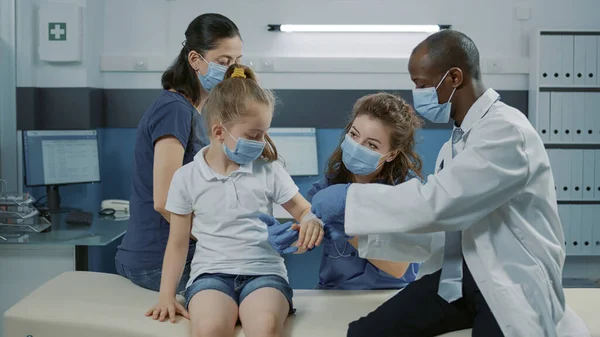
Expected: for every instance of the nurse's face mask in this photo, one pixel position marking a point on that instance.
(359, 159)
(214, 74)
(245, 151)
(427, 103)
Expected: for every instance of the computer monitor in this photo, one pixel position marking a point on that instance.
(54, 158)
(298, 148)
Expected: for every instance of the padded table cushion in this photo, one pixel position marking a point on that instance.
(97, 305)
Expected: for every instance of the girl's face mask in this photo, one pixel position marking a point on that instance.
(245, 152)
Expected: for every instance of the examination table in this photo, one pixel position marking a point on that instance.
(98, 305)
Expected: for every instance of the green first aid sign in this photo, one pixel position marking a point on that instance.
(57, 31)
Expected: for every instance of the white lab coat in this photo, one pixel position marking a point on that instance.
(499, 191)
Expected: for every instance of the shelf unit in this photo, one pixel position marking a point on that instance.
(564, 107)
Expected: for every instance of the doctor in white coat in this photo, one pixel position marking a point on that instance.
(494, 249)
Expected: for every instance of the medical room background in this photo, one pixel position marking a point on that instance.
(117, 49)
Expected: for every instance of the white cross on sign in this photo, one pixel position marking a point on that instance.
(58, 31)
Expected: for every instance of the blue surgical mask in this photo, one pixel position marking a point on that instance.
(359, 159)
(245, 152)
(214, 75)
(427, 103)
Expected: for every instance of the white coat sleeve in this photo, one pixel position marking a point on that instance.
(492, 169)
(399, 247)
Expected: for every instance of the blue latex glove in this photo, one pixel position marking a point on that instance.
(280, 237)
(330, 204)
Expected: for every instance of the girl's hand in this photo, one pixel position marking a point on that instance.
(167, 308)
(311, 234)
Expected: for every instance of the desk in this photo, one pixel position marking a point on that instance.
(40, 257)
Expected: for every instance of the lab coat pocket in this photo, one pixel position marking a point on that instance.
(513, 312)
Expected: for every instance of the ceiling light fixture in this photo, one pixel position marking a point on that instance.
(357, 28)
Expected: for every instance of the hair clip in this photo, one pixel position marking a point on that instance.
(238, 72)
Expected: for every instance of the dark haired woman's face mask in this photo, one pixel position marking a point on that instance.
(214, 75)
(227, 52)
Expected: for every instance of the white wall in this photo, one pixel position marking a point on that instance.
(153, 30)
(31, 72)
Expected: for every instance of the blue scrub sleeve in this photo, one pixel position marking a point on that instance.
(316, 187)
(173, 119)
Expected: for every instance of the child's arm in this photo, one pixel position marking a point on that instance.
(395, 269)
(285, 193)
(311, 228)
(179, 205)
(172, 269)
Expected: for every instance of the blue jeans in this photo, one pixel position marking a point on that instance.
(150, 278)
(238, 287)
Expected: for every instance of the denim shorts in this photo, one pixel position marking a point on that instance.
(238, 287)
(150, 278)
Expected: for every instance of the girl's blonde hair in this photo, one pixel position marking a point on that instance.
(229, 100)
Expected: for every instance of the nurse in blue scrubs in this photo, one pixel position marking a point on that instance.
(168, 136)
(378, 147)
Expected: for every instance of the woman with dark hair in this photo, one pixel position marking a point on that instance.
(168, 136)
(378, 147)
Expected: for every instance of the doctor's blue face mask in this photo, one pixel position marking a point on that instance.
(245, 152)
(427, 104)
(214, 75)
(359, 159)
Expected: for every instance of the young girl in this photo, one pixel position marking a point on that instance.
(378, 147)
(235, 273)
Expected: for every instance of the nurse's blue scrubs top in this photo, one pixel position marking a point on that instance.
(343, 269)
(143, 246)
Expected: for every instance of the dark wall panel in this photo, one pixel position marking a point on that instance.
(84, 108)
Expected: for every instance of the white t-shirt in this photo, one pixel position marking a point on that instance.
(231, 238)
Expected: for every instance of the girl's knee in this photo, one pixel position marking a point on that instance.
(212, 329)
(267, 324)
(270, 321)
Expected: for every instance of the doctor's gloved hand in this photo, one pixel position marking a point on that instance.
(330, 204)
(281, 236)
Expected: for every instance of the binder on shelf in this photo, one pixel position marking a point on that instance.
(597, 175)
(555, 116)
(566, 77)
(587, 229)
(592, 60)
(596, 230)
(554, 56)
(579, 117)
(595, 111)
(579, 58)
(567, 117)
(546, 65)
(574, 242)
(576, 187)
(589, 117)
(565, 219)
(543, 116)
(564, 176)
(575, 230)
(598, 61)
(588, 174)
